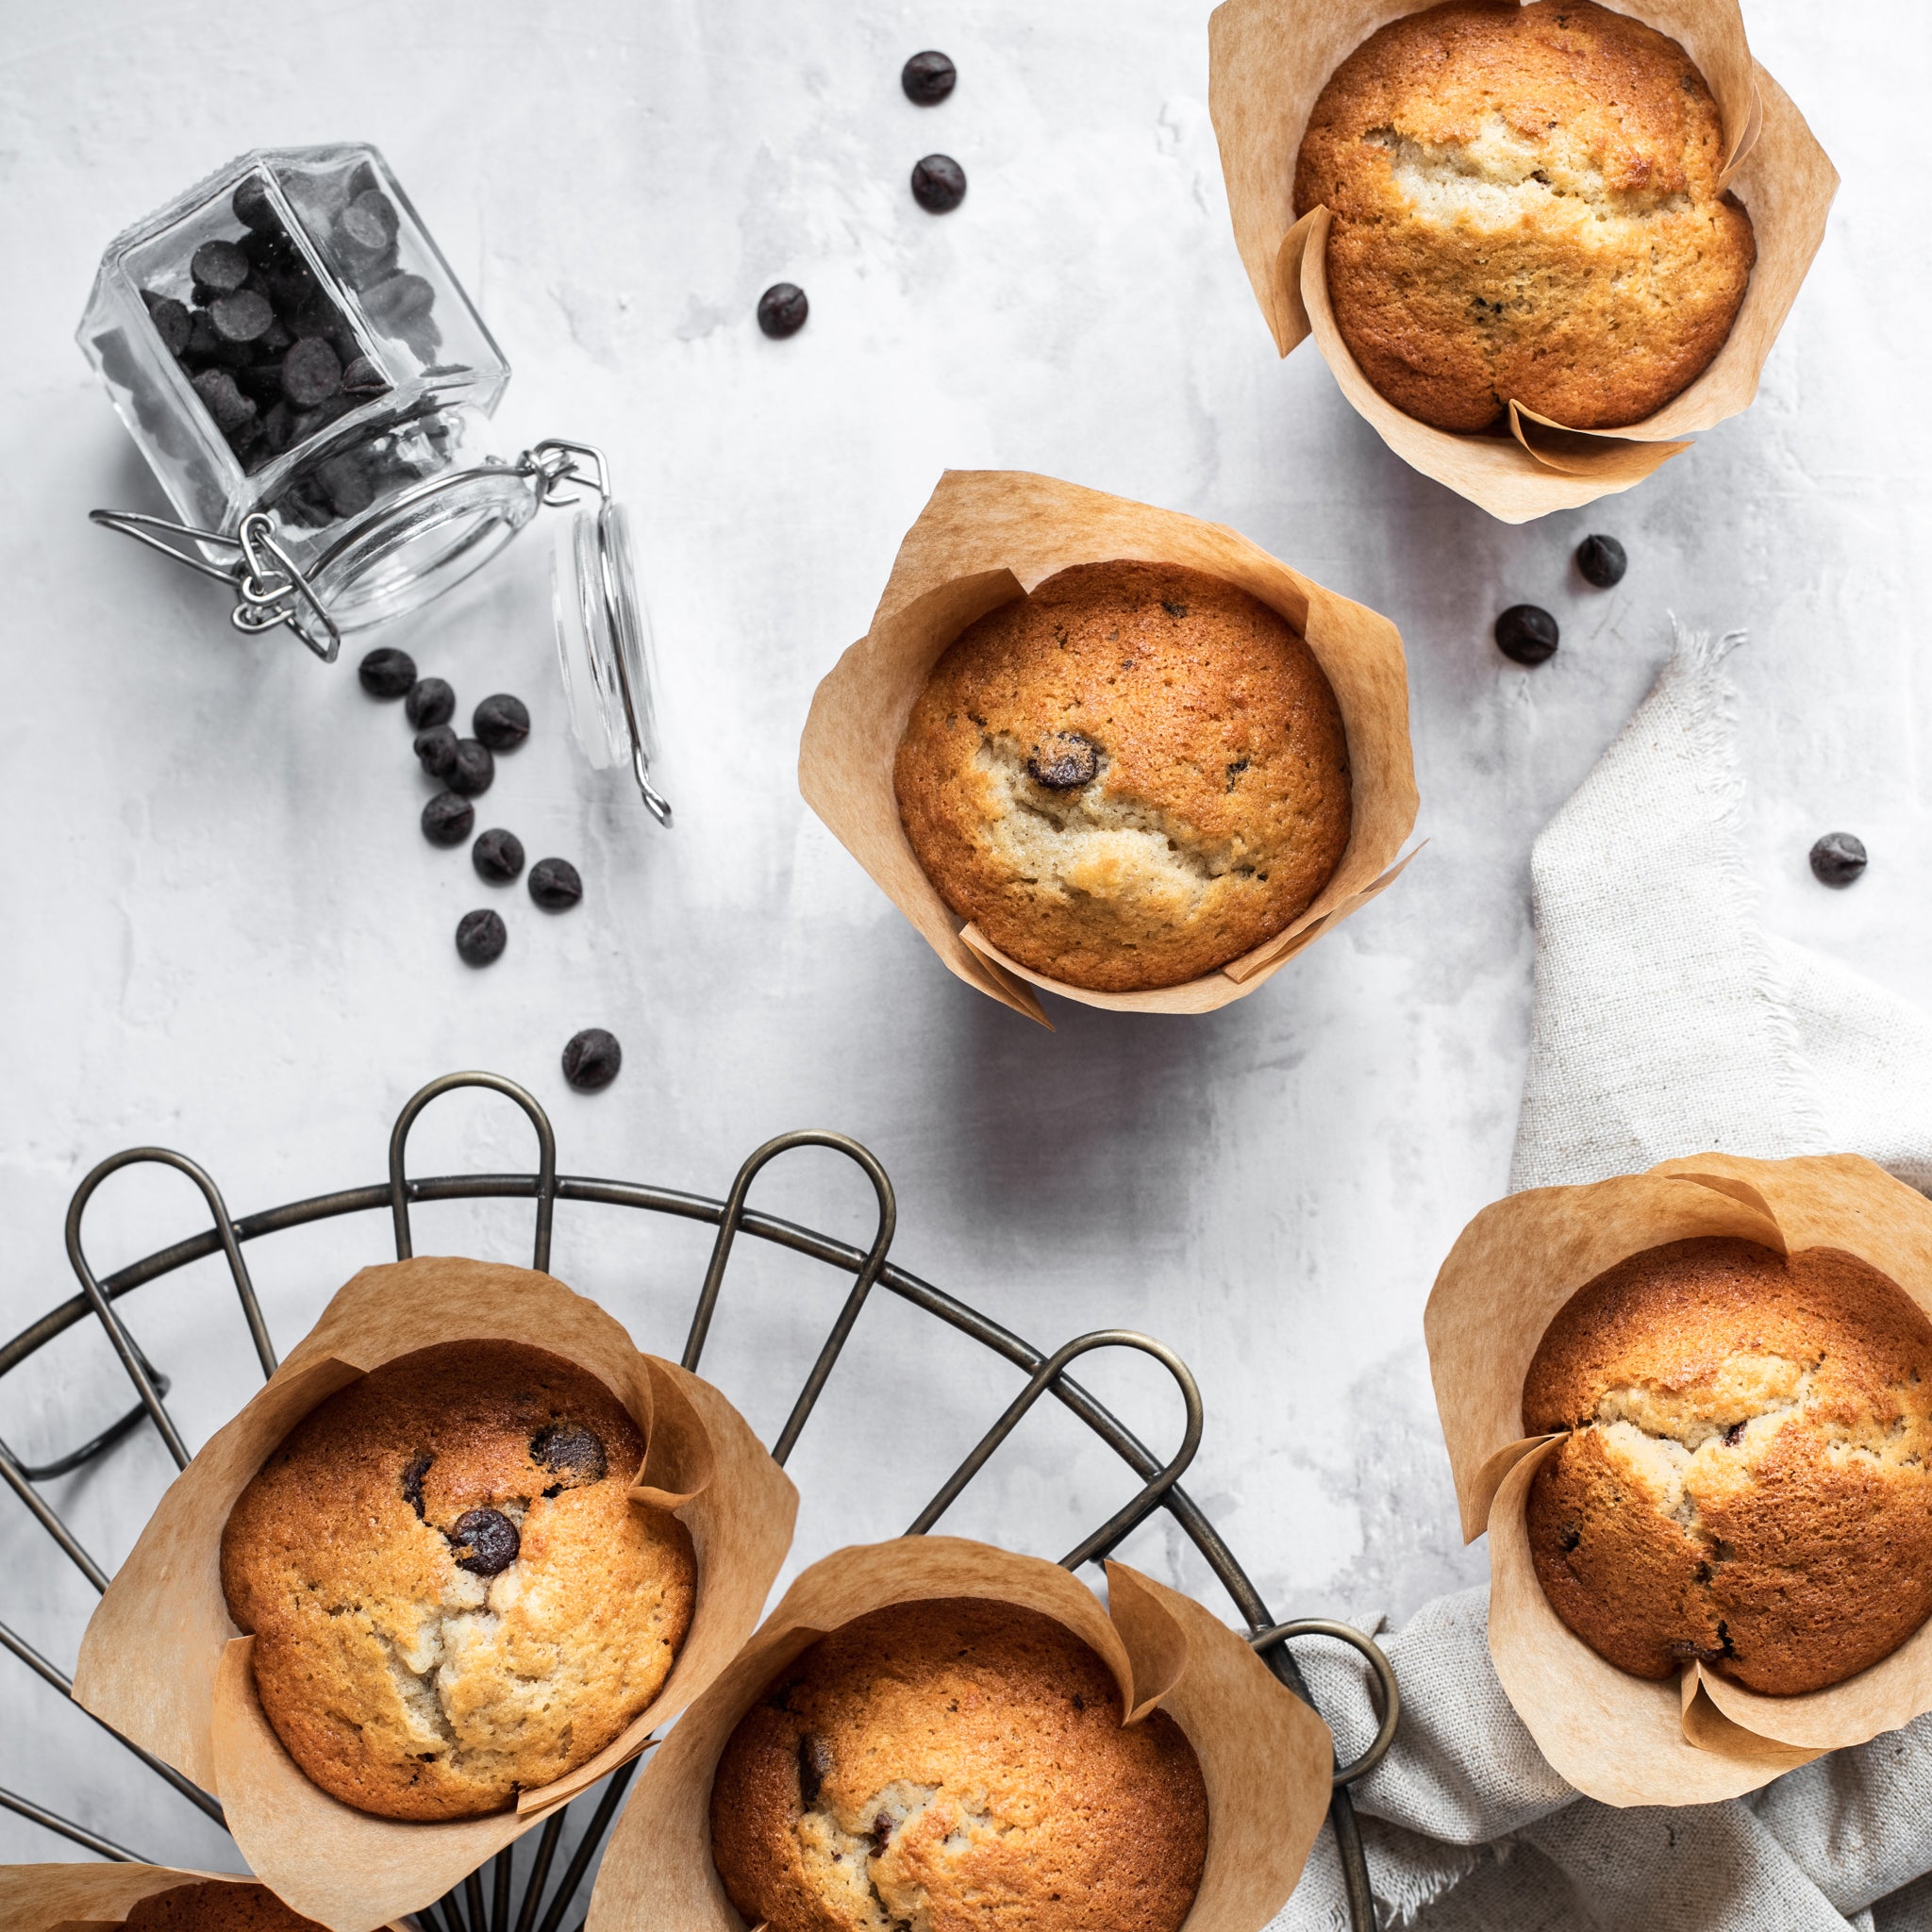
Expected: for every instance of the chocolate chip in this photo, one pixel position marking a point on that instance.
(1569, 1537)
(172, 321)
(429, 701)
(474, 770)
(1174, 607)
(486, 1540)
(398, 300)
(481, 938)
(436, 750)
(1526, 634)
(1838, 858)
(412, 1482)
(591, 1060)
(1079, 1702)
(815, 1767)
(387, 673)
(253, 207)
(554, 884)
(501, 721)
(928, 78)
(240, 317)
(311, 372)
(782, 309)
(222, 399)
(1601, 562)
(220, 266)
(1733, 1435)
(350, 487)
(362, 379)
(369, 222)
(315, 317)
(938, 184)
(881, 1834)
(498, 856)
(447, 819)
(1064, 762)
(571, 1451)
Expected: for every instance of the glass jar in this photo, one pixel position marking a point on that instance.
(312, 387)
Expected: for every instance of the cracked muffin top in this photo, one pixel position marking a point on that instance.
(1525, 206)
(452, 1595)
(210, 1906)
(954, 1764)
(1747, 1473)
(1132, 776)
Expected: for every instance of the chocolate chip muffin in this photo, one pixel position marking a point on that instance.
(208, 1906)
(1747, 1473)
(1525, 207)
(953, 1764)
(452, 1595)
(1127, 778)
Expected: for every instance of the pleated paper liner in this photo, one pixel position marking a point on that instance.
(988, 535)
(1266, 1757)
(1620, 1739)
(84, 1898)
(1268, 63)
(163, 1664)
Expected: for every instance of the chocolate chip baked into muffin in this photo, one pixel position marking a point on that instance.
(952, 1764)
(452, 1596)
(208, 1906)
(1747, 1478)
(1525, 207)
(1127, 778)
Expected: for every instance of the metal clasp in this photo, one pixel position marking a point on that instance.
(270, 588)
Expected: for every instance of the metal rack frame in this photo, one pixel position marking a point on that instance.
(465, 1908)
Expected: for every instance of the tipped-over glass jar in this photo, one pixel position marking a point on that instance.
(312, 387)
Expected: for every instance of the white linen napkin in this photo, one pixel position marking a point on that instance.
(1668, 1022)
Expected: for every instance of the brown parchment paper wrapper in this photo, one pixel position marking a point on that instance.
(163, 1664)
(1265, 1755)
(77, 1898)
(1268, 63)
(988, 535)
(1620, 1739)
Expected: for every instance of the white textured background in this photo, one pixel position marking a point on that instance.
(221, 929)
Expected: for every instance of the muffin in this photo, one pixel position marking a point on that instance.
(1747, 1473)
(1525, 207)
(452, 1596)
(953, 1764)
(1127, 778)
(210, 1905)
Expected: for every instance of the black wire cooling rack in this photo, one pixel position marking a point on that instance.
(514, 1892)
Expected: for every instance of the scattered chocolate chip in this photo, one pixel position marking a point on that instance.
(436, 750)
(253, 208)
(220, 266)
(1064, 762)
(474, 770)
(938, 184)
(363, 378)
(447, 819)
(501, 721)
(498, 856)
(881, 1834)
(222, 399)
(1838, 858)
(571, 1451)
(240, 317)
(429, 701)
(481, 938)
(311, 372)
(387, 673)
(1525, 634)
(782, 309)
(1601, 562)
(412, 1482)
(591, 1060)
(928, 78)
(172, 321)
(815, 1767)
(554, 884)
(486, 1540)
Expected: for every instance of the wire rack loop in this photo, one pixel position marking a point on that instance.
(147, 1384)
(546, 1158)
(1372, 1654)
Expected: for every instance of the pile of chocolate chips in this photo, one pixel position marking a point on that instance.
(273, 361)
(466, 768)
